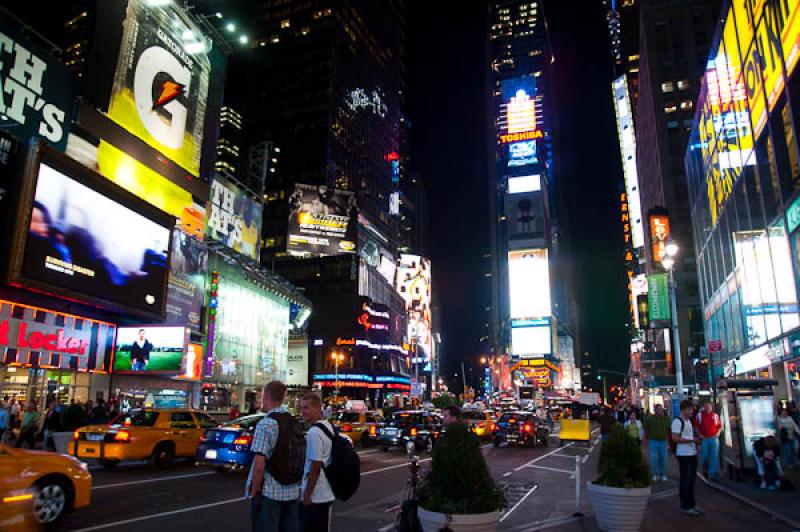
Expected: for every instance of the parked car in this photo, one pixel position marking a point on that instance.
(228, 446)
(479, 421)
(38, 488)
(418, 428)
(360, 427)
(157, 435)
(520, 428)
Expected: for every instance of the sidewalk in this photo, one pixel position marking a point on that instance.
(783, 505)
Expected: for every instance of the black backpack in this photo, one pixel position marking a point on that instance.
(289, 456)
(344, 471)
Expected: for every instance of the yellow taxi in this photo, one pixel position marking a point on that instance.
(479, 421)
(360, 427)
(37, 487)
(156, 435)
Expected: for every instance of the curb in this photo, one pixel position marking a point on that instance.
(776, 516)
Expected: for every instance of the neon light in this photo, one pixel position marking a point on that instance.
(521, 113)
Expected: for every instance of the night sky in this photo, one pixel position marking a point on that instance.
(447, 79)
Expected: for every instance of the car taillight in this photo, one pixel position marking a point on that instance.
(481, 425)
(527, 427)
(347, 428)
(243, 440)
(413, 431)
(494, 427)
(373, 430)
(76, 435)
(122, 436)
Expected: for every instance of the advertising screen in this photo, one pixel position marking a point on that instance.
(659, 235)
(81, 241)
(149, 348)
(322, 221)
(187, 280)
(524, 183)
(525, 215)
(529, 283)
(522, 153)
(414, 286)
(658, 298)
(532, 339)
(234, 218)
(627, 144)
(519, 105)
(37, 98)
(162, 79)
(758, 420)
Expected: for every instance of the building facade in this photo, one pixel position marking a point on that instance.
(743, 165)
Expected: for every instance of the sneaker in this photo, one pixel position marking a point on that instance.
(763, 484)
(655, 478)
(691, 511)
(664, 478)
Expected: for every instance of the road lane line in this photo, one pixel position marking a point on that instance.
(368, 452)
(523, 466)
(568, 472)
(507, 474)
(161, 514)
(365, 473)
(151, 480)
(505, 515)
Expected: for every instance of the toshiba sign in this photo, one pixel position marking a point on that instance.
(34, 337)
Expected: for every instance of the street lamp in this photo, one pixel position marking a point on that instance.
(338, 358)
(668, 262)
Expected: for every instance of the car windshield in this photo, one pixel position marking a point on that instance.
(472, 415)
(145, 418)
(346, 417)
(246, 422)
(404, 420)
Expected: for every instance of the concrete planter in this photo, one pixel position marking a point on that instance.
(618, 509)
(434, 521)
(61, 441)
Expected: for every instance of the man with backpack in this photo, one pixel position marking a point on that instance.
(686, 453)
(277, 470)
(318, 495)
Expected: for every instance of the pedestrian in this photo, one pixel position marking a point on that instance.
(794, 412)
(52, 423)
(251, 409)
(606, 420)
(656, 430)
(28, 427)
(788, 431)
(317, 493)
(99, 414)
(767, 455)
(686, 452)
(275, 504)
(708, 426)
(235, 412)
(634, 427)
(4, 420)
(16, 411)
(451, 414)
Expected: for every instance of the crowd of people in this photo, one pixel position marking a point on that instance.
(693, 437)
(22, 425)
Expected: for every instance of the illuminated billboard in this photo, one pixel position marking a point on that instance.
(522, 153)
(525, 214)
(162, 80)
(35, 87)
(150, 349)
(85, 238)
(627, 144)
(322, 221)
(414, 286)
(187, 281)
(518, 119)
(524, 183)
(529, 284)
(234, 218)
(531, 338)
(659, 235)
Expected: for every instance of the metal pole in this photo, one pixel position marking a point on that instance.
(336, 365)
(578, 512)
(463, 377)
(605, 389)
(676, 336)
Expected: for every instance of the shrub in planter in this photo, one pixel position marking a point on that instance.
(459, 481)
(622, 490)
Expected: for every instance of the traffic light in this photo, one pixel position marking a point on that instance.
(599, 377)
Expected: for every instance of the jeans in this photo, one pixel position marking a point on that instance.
(137, 365)
(267, 515)
(688, 468)
(315, 518)
(709, 456)
(788, 451)
(658, 457)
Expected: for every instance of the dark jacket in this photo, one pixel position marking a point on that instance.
(142, 354)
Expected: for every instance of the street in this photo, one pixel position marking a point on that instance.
(540, 487)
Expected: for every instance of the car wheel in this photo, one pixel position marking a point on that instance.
(52, 498)
(110, 464)
(162, 456)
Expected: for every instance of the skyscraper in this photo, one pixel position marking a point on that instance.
(675, 36)
(524, 235)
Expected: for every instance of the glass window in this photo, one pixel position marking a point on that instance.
(146, 418)
(667, 86)
(246, 422)
(786, 294)
(182, 420)
(205, 421)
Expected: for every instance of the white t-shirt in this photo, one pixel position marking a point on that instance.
(318, 448)
(684, 449)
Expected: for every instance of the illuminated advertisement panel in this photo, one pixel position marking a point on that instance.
(529, 284)
(38, 338)
(234, 218)
(525, 214)
(524, 183)
(659, 235)
(187, 281)
(35, 87)
(531, 338)
(87, 239)
(150, 349)
(414, 286)
(518, 114)
(627, 144)
(522, 153)
(161, 84)
(322, 221)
